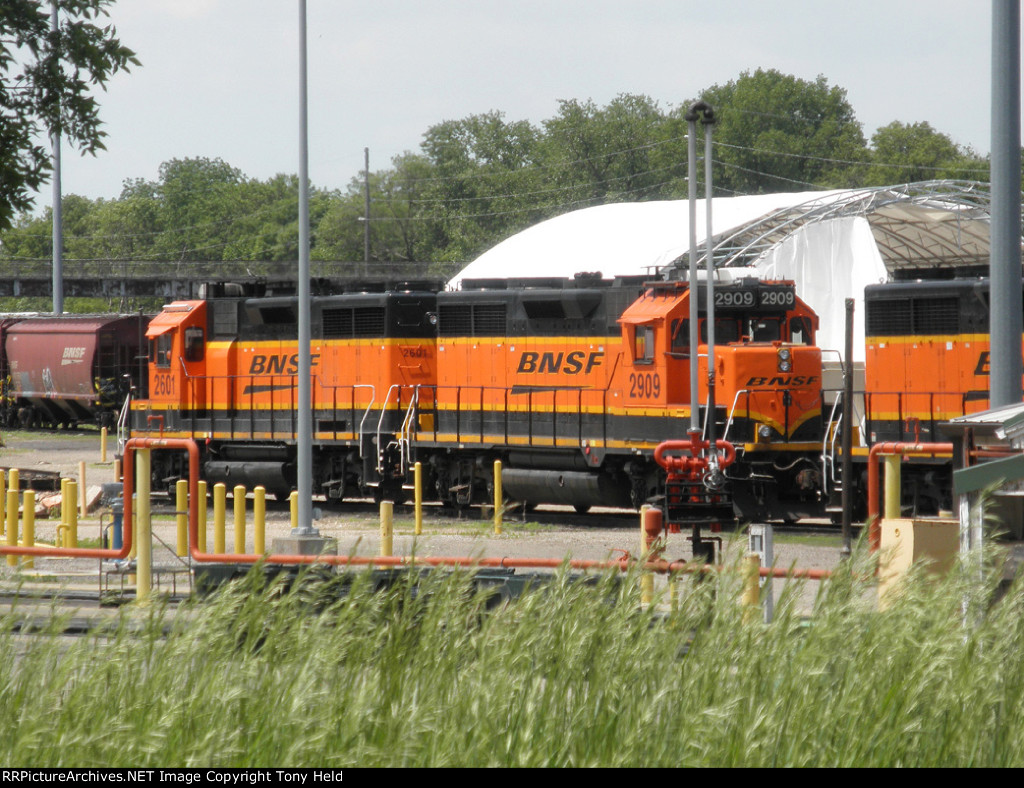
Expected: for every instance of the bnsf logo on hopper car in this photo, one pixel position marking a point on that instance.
(72, 355)
(789, 380)
(278, 364)
(567, 363)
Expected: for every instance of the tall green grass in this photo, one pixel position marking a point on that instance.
(571, 675)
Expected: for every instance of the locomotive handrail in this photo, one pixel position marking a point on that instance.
(732, 411)
(406, 435)
(380, 422)
(828, 444)
(122, 424)
(366, 413)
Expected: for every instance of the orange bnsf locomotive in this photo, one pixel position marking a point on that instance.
(926, 362)
(572, 384)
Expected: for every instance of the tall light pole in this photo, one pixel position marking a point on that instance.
(1005, 319)
(58, 228)
(304, 421)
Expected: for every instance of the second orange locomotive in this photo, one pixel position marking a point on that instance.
(570, 383)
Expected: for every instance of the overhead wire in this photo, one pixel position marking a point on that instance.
(544, 208)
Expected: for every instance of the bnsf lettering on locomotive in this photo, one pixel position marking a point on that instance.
(278, 364)
(792, 380)
(566, 363)
(983, 363)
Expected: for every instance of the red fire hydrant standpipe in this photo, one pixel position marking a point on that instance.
(692, 481)
(697, 462)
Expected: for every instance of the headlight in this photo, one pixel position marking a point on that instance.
(785, 356)
(785, 366)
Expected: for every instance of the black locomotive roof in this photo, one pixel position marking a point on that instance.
(546, 307)
(281, 288)
(927, 307)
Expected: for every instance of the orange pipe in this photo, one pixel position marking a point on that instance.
(190, 446)
(891, 448)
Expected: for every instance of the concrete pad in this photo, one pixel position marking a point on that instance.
(304, 545)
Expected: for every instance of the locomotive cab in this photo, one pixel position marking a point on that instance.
(767, 371)
(177, 357)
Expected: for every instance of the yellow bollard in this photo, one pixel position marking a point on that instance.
(220, 499)
(144, 526)
(387, 510)
(892, 509)
(81, 490)
(63, 509)
(201, 516)
(3, 503)
(751, 597)
(293, 505)
(28, 538)
(118, 476)
(181, 515)
(12, 522)
(239, 503)
(498, 497)
(103, 444)
(646, 578)
(417, 481)
(72, 521)
(259, 520)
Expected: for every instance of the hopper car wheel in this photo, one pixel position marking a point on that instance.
(581, 508)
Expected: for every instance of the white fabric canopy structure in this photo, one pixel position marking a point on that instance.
(830, 243)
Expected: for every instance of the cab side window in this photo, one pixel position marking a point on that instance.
(160, 349)
(194, 345)
(680, 338)
(643, 345)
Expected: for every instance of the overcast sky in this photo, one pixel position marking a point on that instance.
(219, 78)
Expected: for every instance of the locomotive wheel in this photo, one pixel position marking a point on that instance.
(581, 508)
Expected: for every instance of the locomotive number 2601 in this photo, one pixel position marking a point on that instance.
(163, 385)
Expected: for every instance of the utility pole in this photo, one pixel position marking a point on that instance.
(1005, 318)
(58, 221)
(366, 213)
(304, 425)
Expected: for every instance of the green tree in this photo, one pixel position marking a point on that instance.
(775, 132)
(628, 150)
(45, 83)
(907, 152)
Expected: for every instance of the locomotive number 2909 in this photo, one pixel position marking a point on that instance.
(644, 385)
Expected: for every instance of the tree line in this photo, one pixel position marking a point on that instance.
(479, 179)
